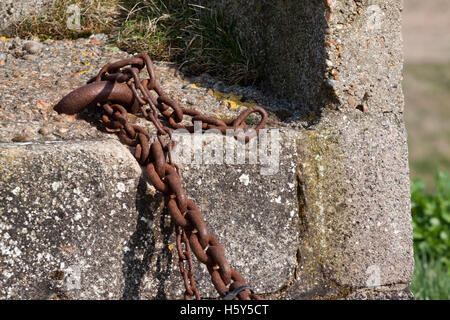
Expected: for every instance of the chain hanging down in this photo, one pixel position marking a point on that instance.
(192, 235)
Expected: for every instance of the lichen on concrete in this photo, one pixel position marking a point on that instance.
(348, 238)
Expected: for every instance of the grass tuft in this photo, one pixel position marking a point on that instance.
(191, 33)
(200, 39)
(431, 280)
(96, 16)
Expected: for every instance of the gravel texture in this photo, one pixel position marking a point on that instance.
(13, 11)
(32, 86)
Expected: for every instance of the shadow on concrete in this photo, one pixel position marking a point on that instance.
(153, 230)
(287, 40)
(137, 260)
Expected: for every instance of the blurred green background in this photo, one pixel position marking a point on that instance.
(426, 26)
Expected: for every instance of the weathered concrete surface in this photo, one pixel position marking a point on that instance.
(65, 205)
(12, 11)
(85, 206)
(396, 292)
(365, 56)
(341, 63)
(326, 53)
(287, 39)
(334, 224)
(353, 235)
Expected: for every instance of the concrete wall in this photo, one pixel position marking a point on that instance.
(335, 223)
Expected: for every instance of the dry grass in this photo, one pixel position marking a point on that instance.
(188, 32)
(97, 16)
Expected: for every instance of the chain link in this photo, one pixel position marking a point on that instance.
(192, 235)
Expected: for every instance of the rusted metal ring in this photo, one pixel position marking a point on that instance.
(244, 115)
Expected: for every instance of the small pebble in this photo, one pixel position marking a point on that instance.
(30, 57)
(2, 59)
(17, 53)
(26, 136)
(45, 131)
(62, 130)
(331, 83)
(32, 47)
(98, 37)
(351, 102)
(19, 139)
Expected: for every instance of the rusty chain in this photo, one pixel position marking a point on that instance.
(108, 88)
